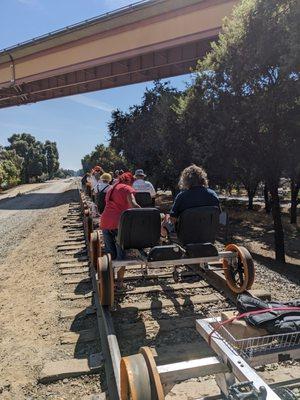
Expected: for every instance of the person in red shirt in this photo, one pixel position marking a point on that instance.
(119, 197)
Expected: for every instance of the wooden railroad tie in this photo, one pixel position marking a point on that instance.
(56, 370)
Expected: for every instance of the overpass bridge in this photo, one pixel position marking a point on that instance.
(148, 40)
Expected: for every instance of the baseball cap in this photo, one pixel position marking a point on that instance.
(139, 172)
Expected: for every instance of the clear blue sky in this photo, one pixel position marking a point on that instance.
(76, 123)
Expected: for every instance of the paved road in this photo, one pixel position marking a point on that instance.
(19, 215)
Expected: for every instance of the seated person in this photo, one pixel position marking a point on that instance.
(194, 193)
(94, 179)
(140, 185)
(119, 197)
(100, 191)
(103, 183)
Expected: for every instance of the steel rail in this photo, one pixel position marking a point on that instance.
(109, 342)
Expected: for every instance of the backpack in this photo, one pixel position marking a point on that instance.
(275, 322)
(101, 200)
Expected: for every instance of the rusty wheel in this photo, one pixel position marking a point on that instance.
(156, 385)
(87, 225)
(239, 272)
(106, 283)
(86, 214)
(95, 248)
(139, 377)
(90, 227)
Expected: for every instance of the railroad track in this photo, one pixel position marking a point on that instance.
(150, 310)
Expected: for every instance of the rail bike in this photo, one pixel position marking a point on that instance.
(138, 376)
(140, 229)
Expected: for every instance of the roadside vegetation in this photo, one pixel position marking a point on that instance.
(239, 117)
(27, 160)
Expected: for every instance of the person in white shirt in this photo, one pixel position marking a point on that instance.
(95, 177)
(104, 183)
(140, 185)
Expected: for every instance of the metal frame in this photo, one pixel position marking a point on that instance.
(180, 261)
(181, 371)
(239, 368)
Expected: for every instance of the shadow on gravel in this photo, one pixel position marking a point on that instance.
(35, 201)
(288, 270)
(131, 326)
(88, 341)
(83, 287)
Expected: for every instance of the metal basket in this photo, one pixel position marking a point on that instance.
(260, 345)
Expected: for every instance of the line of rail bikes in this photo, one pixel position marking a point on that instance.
(161, 311)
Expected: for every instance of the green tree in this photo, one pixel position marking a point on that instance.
(52, 158)
(65, 173)
(147, 135)
(32, 152)
(10, 168)
(256, 57)
(106, 157)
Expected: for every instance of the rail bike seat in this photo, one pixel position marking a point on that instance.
(139, 228)
(196, 230)
(144, 199)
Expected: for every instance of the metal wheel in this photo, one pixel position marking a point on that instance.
(86, 214)
(239, 273)
(139, 377)
(106, 283)
(95, 248)
(156, 385)
(90, 227)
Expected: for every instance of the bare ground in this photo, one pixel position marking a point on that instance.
(31, 228)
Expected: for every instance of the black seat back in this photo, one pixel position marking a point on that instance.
(198, 225)
(143, 199)
(139, 228)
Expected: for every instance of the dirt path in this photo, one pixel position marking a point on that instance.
(20, 214)
(31, 228)
(22, 189)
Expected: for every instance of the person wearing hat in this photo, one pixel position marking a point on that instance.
(140, 185)
(94, 176)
